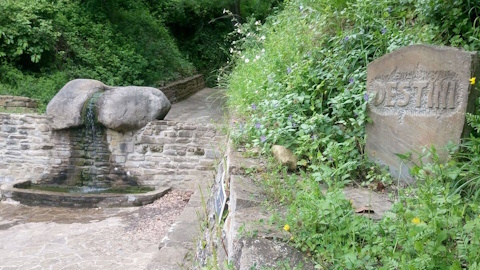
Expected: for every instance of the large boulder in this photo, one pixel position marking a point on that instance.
(65, 108)
(129, 108)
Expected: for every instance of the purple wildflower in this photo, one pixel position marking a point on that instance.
(263, 139)
(314, 137)
(254, 106)
(257, 125)
(289, 70)
(351, 80)
(346, 38)
(365, 97)
(384, 30)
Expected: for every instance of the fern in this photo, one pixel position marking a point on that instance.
(474, 121)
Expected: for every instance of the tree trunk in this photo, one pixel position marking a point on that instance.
(236, 10)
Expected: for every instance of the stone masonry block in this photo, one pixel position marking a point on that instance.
(120, 159)
(185, 133)
(126, 147)
(244, 193)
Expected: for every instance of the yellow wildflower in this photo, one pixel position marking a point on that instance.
(416, 220)
(286, 228)
(472, 80)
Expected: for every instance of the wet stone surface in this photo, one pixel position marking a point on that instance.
(101, 238)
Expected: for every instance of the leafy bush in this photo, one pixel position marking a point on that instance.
(457, 22)
(43, 88)
(26, 30)
(117, 42)
(301, 76)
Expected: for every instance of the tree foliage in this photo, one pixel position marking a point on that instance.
(119, 42)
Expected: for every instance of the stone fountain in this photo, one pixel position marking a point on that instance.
(81, 113)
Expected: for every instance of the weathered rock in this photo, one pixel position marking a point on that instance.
(258, 253)
(418, 97)
(65, 108)
(130, 108)
(285, 157)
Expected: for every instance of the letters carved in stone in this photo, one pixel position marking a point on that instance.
(415, 93)
(418, 98)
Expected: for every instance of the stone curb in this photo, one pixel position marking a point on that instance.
(175, 249)
(250, 239)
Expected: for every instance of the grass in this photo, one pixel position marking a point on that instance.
(17, 110)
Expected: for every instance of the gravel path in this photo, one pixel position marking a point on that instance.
(64, 238)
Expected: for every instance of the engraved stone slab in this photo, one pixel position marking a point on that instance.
(418, 97)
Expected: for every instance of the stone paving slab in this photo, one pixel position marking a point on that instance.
(363, 198)
(100, 238)
(205, 106)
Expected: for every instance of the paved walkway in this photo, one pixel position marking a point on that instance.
(63, 238)
(111, 238)
(203, 107)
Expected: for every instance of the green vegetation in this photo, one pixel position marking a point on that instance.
(46, 43)
(201, 28)
(299, 80)
(43, 44)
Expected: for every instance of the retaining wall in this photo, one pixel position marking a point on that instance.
(167, 152)
(26, 148)
(182, 89)
(18, 104)
(163, 153)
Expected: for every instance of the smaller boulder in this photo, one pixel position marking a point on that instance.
(284, 156)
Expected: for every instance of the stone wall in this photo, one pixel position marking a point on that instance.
(26, 151)
(18, 104)
(167, 152)
(164, 153)
(182, 89)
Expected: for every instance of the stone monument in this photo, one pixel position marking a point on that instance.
(418, 96)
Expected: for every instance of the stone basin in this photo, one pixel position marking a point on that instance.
(17, 192)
